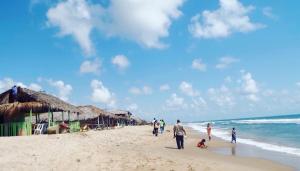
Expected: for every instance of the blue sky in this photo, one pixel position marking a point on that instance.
(187, 59)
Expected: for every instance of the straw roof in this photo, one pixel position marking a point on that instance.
(90, 112)
(39, 102)
(138, 120)
(122, 113)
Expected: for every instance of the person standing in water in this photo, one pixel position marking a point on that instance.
(179, 133)
(233, 135)
(209, 131)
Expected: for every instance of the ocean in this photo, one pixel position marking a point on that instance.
(277, 136)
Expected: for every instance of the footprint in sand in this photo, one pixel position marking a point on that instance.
(190, 168)
(170, 161)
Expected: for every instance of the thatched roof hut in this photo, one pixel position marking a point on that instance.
(38, 102)
(122, 113)
(138, 121)
(90, 112)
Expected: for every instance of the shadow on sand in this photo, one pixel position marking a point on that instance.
(173, 148)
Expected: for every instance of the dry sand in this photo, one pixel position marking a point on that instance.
(129, 148)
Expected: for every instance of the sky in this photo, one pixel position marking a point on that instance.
(174, 59)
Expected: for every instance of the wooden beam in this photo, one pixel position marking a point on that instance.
(52, 120)
(49, 119)
(68, 116)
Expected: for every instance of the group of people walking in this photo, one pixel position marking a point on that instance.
(179, 133)
(158, 125)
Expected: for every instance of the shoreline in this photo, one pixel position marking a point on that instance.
(246, 150)
(128, 148)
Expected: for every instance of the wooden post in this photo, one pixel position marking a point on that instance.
(30, 128)
(52, 118)
(30, 118)
(103, 125)
(49, 119)
(98, 121)
(107, 122)
(69, 116)
(36, 119)
(62, 115)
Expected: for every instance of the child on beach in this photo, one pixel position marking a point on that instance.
(201, 144)
(233, 135)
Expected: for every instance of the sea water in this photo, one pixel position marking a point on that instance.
(279, 135)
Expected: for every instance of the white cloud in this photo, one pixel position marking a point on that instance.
(145, 90)
(187, 89)
(135, 91)
(228, 79)
(249, 87)
(35, 87)
(268, 12)
(144, 22)
(298, 84)
(75, 18)
(175, 102)
(198, 103)
(133, 107)
(198, 65)
(8, 83)
(89, 66)
(268, 93)
(101, 94)
(232, 16)
(64, 90)
(223, 97)
(33, 3)
(164, 87)
(121, 62)
(225, 62)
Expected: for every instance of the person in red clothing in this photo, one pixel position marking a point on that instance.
(201, 144)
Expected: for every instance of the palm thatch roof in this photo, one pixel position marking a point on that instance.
(122, 113)
(38, 102)
(138, 120)
(90, 112)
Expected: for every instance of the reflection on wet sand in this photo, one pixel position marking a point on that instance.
(233, 150)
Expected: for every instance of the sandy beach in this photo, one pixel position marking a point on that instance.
(129, 148)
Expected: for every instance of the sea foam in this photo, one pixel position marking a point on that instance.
(268, 121)
(225, 135)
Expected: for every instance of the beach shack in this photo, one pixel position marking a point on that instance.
(128, 117)
(20, 113)
(137, 121)
(96, 118)
(125, 115)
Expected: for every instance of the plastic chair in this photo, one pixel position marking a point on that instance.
(39, 129)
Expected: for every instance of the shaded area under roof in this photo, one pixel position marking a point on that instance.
(39, 102)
